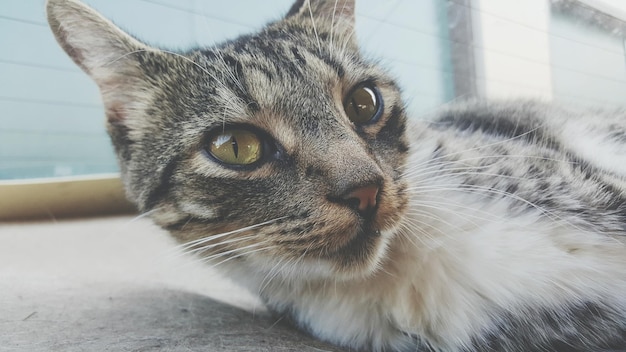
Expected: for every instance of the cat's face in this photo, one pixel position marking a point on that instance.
(279, 148)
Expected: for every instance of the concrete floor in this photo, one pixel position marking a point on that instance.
(117, 284)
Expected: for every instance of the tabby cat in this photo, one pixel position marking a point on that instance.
(287, 160)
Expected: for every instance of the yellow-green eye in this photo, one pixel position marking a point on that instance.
(363, 104)
(236, 147)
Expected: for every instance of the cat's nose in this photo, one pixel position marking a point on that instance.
(363, 199)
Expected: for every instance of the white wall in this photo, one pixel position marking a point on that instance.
(525, 50)
(589, 64)
(411, 38)
(512, 48)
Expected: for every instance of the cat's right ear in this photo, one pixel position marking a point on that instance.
(328, 8)
(339, 12)
(100, 48)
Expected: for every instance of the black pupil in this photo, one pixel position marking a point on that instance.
(233, 142)
(363, 104)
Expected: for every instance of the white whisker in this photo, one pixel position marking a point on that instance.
(242, 254)
(213, 245)
(332, 28)
(412, 225)
(456, 172)
(317, 37)
(143, 215)
(203, 240)
(475, 189)
(437, 163)
(508, 140)
(226, 253)
(271, 274)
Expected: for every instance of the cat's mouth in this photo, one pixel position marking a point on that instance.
(363, 246)
(359, 244)
(360, 256)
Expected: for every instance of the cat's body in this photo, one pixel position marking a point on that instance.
(520, 247)
(285, 159)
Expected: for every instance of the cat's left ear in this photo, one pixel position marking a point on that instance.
(93, 42)
(102, 50)
(338, 13)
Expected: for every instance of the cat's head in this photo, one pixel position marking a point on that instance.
(283, 149)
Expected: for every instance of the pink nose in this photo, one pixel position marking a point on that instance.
(366, 196)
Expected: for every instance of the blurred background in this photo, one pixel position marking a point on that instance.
(571, 51)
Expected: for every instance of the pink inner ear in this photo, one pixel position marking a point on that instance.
(345, 8)
(295, 8)
(116, 113)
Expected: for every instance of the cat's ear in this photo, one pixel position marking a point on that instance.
(340, 13)
(100, 48)
(93, 42)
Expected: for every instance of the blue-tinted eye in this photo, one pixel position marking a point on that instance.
(363, 104)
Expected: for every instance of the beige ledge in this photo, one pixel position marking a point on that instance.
(63, 197)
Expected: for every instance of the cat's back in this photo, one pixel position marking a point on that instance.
(521, 208)
(594, 135)
(570, 164)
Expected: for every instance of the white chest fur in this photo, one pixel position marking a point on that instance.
(451, 268)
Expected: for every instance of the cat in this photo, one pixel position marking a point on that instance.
(287, 160)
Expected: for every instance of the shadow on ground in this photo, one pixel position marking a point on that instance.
(146, 320)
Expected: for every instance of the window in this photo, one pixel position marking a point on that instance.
(563, 50)
(588, 56)
(53, 123)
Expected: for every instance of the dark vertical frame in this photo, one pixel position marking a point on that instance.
(462, 53)
(590, 15)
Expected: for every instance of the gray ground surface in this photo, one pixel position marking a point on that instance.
(113, 284)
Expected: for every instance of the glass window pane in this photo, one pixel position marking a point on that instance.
(53, 122)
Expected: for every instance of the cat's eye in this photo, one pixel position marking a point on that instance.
(236, 147)
(363, 104)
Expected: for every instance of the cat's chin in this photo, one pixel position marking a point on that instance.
(365, 266)
(358, 258)
(359, 251)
